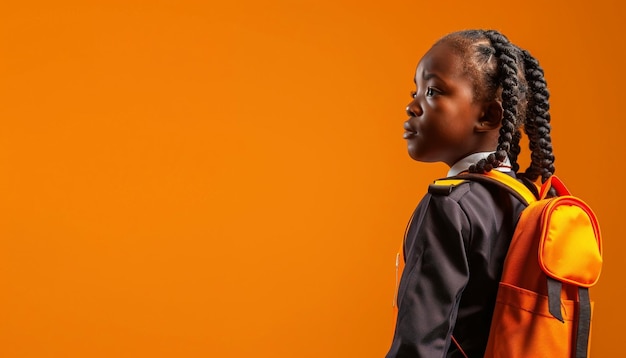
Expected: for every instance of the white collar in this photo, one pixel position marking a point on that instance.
(464, 164)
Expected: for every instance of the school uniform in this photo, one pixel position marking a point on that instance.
(454, 253)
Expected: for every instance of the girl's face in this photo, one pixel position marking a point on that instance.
(444, 123)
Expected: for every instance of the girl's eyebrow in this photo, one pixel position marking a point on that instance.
(427, 76)
(430, 75)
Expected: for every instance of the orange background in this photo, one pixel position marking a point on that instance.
(228, 179)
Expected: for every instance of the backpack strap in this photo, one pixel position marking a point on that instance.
(522, 192)
(584, 322)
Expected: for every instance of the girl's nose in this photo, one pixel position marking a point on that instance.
(412, 111)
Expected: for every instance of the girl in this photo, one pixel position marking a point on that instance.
(474, 91)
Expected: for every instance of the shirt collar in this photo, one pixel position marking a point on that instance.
(464, 164)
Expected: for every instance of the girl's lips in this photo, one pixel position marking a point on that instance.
(409, 131)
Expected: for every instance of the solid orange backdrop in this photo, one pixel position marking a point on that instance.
(228, 179)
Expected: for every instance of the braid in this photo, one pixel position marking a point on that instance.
(515, 150)
(508, 142)
(537, 125)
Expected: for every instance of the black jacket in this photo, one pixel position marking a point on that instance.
(454, 252)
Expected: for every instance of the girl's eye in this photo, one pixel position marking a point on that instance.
(429, 92)
(413, 94)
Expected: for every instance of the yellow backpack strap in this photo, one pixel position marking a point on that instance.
(521, 191)
(513, 183)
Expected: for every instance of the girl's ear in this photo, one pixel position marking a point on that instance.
(491, 117)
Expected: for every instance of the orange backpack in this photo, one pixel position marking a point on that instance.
(542, 306)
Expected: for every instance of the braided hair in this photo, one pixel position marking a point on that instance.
(537, 125)
(501, 70)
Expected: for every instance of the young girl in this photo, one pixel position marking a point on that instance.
(474, 91)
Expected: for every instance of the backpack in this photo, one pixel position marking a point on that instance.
(542, 306)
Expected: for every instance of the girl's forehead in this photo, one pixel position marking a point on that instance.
(441, 60)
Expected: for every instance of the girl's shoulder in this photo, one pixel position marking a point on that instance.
(468, 193)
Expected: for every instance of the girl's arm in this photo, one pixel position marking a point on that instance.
(433, 280)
